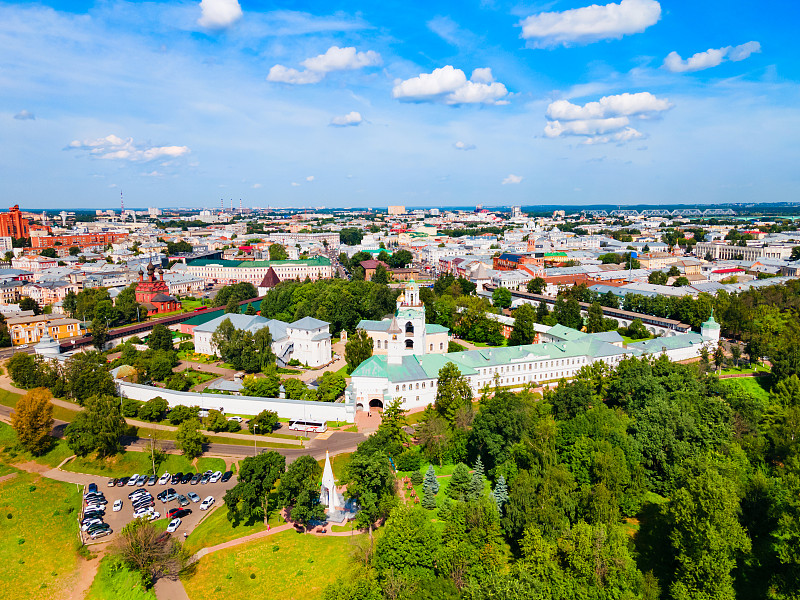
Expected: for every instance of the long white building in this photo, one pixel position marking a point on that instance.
(234, 271)
(413, 377)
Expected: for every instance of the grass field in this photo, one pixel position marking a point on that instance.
(213, 464)
(216, 529)
(14, 454)
(286, 566)
(127, 464)
(628, 340)
(10, 399)
(746, 369)
(758, 387)
(115, 581)
(38, 537)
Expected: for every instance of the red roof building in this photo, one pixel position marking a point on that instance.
(153, 293)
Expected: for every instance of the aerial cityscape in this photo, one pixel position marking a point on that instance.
(471, 301)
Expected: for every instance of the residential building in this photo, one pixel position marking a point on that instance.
(13, 225)
(726, 252)
(234, 271)
(29, 330)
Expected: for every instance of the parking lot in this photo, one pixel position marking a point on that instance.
(117, 520)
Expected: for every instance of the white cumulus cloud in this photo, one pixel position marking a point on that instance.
(218, 14)
(316, 67)
(113, 147)
(710, 58)
(310, 178)
(351, 119)
(25, 115)
(463, 146)
(450, 85)
(512, 179)
(604, 121)
(256, 186)
(590, 23)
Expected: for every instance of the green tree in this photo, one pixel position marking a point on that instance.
(263, 423)
(370, 480)
(536, 285)
(524, 332)
(181, 413)
(278, 252)
(189, 438)
(680, 282)
(160, 338)
(594, 318)
(500, 493)
(268, 386)
(657, 278)
(99, 333)
(501, 297)
(452, 392)
(70, 303)
(248, 500)
(460, 480)
(74, 251)
(294, 388)
(430, 487)
(27, 303)
(408, 545)
(434, 435)
(99, 427)
(153, 410)
(143, 547)
(215, 421)
(86, 374)
(48, 253)
(568, 313)
(22, 368)
(357, 349)
(330, 386)
(381, 275)
(706, 536)
(542, 312)
(32, 419)
(719, 356)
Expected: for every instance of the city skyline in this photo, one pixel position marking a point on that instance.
(359, 105)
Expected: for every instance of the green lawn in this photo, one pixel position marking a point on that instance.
(758, 387)
(216, 528)
(127, 464)
(627, 340)
(196, 357)
(10, 399)
(191, 304)
(38, 537)
(114, 581)
(13, 453)
(286, 566)
(213, 464)
(749, 369)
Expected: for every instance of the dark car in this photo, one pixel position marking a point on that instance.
(226, 476)
(206, 476)
(94, 514)
(187, 477)
(170, 495)
(92, 488)
(195, 479)
(176, 479)
(178, 513)
(123, 481)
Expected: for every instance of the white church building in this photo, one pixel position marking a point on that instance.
(307, 340)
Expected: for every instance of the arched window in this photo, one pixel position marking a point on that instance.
(409, 328)
(441, 345)
(409, 344)
(404, 387)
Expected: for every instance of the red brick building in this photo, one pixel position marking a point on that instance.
(88, 240)
(154, 293)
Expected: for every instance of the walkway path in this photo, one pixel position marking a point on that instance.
(312, 374)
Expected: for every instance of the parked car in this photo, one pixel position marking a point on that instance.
(92, 488)
(141, 512)
(136, 493)
(187, 477)
(112, 482)
(176, 479)
(173, 525)
(152, 480)
(141, 481)
(237, 419)
(206, 477)
(91, 514)
(206, 504)
(134, 478)
(183, 500)
(193, 497)
(164, 479)
(178, 512)
(215, 477)
(154, 515)
(226, 476)
(97, 527)
(117, 506)
(195, 479)
(123, 481)
(143, 503)
(169, 496)
(91, 507)
(100, 533)
(95, 499)
(87, 523)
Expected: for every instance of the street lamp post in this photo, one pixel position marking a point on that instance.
(152, 452)
(255, 449)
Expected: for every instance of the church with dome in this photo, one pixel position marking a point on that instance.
(153, 292)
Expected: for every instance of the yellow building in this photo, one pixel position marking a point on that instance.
(28, 330)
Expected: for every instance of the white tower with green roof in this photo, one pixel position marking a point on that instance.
(710, 330)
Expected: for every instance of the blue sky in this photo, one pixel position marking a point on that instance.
(367, 104)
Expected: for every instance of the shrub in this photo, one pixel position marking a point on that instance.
(408, 460)
(416, 477)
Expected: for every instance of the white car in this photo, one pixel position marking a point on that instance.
(154, 515)
(173, 525)
(164, 479)
(134, 478)
(91, 507)
(88, 523)
(237, 419)
(206, 504)
(117, 506)
(215, 477)
(142, 512)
